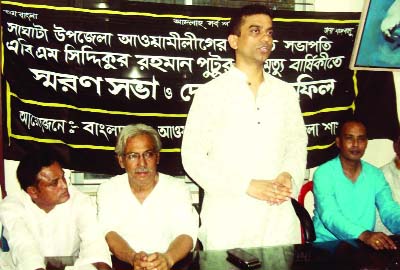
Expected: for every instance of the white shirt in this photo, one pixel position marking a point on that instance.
(232, 137)
(166, 213)
(69, 229)
(392, 176)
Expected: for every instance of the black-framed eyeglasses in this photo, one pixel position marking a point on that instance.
(148, 155)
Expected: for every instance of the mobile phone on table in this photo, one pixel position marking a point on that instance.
(243, 259)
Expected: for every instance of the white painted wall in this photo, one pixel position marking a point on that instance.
(338, 5)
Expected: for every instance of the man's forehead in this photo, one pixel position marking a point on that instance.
(354, 130)
(52, 171)
(260, 20)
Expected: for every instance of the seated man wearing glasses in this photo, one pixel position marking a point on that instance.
(148, 216)
(49, 219)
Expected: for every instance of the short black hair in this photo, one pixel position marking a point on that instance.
(237, 18)
(347, 120)
(32, 163)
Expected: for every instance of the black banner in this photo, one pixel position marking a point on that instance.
(72, 78)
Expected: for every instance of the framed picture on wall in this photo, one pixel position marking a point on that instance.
(377, 44)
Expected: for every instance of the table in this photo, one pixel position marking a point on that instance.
(334, 255)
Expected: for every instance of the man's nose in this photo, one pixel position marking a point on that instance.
(142, 161)
(267, 37)
(355, 143)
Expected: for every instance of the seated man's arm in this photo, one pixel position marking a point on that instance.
(177, 250)
(388, 208)
(93, 247)
(124, 252)
(120, 248)
(183, 223)
(25, 250)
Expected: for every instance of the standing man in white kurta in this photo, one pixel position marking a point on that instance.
(245, 145)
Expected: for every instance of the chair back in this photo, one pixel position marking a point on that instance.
(307, 187)
(307, 225)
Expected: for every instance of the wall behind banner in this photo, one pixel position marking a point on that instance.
(379, 151)
(11, 169)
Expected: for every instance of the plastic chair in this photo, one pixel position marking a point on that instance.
(307, 225)
(307, 187)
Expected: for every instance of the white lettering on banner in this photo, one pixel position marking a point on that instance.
(322, 44)
(140, 88)
(164, 63)
(175, 40)
(170, 132)
(332, 126)
(345, 31)
(215, 65)
(10, 12)
(66, 81)
(188, 90)
(45, 124)
(59, 125)
(313, 129)
(46, 53)
(311, 62)
(102, 59)
(23, 15)
(137, 87)
(349, 31)
(20, 46)
(35, 32)
(97, 129)
(311, 87)
(213, 23)
(189, 22)
(275, 66)
(81, 37)
(329, 30)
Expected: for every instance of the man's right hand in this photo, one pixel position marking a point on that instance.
(270, 191)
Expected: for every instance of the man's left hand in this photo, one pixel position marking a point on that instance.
(159, 261)
(283, 186)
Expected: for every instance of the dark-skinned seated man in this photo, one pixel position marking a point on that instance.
(48, 218)
(147, 216)
(347, 191)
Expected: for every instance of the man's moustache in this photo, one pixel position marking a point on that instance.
(142, 170)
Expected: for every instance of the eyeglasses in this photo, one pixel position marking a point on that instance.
(148, 155)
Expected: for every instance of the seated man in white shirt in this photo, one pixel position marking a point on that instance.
(47, 218)
(148, 216)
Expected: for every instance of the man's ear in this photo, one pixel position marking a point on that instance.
(121, 161)
(337, 140)
(32, 192)
(232, 40)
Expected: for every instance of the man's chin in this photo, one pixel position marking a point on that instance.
(64, 198)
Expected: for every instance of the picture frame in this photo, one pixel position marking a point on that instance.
(377, 43)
